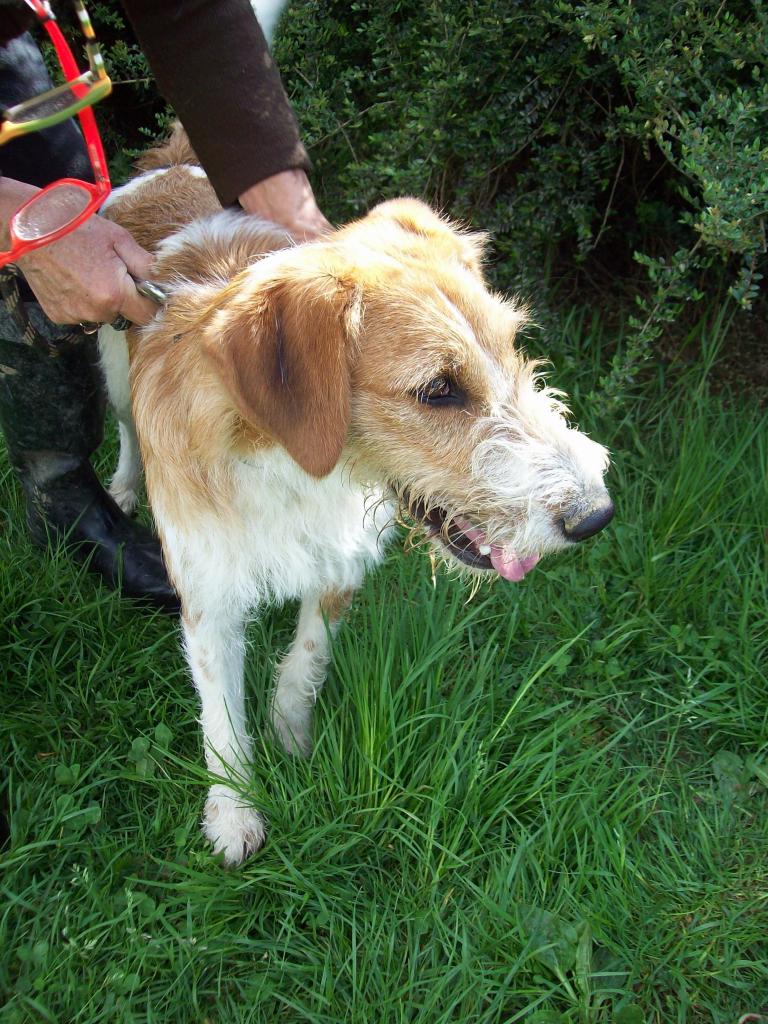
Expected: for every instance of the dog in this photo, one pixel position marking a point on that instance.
(291, 402)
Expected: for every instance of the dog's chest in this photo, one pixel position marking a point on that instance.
(295, 534)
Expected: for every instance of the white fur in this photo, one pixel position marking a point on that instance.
(216, 228)
(285, 535)
(532, 462)
(124, 486)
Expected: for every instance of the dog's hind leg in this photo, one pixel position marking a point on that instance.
(126, 481)
(114, 364)
(213, 637)
(301, 674)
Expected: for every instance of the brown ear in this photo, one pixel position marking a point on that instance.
(282, 352)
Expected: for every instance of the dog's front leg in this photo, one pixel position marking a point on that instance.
(301, 674)
(214, 643)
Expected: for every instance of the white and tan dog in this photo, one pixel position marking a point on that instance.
(289, 401)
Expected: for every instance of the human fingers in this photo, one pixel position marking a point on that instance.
(138, 265)
(137, 260)
(310, 225)
(84, 276)
(135, 307)
(287, 199)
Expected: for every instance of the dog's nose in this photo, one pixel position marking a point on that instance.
(590, 520)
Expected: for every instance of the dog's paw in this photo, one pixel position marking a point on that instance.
(233, 828)
(125, 497)
(293, 727)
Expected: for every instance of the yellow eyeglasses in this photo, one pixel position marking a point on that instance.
(79, 91)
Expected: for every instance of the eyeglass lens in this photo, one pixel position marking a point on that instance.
(51, 211)
(54, 102)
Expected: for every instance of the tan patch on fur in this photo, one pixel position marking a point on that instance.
(309, 646)
(185, 432)
(334, 604)
(162, 205)
(442, 236)
(166, 202)
(186, 418)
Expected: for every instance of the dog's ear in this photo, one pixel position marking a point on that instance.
(420, 220)
(282, 349)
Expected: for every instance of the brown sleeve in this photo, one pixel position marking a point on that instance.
(212, 64)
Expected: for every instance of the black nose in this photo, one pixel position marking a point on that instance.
(591, 523)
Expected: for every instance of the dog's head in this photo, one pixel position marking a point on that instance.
(382, 348)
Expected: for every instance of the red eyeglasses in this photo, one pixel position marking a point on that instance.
(63, 205)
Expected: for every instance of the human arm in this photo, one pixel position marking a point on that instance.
(212, 63)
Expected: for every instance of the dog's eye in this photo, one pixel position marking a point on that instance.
(440, 391)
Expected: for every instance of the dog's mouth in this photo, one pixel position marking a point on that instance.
(469, 544)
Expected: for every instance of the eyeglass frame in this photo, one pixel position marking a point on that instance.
(95, 82)
(102, 187)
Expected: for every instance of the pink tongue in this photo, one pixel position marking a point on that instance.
(506, 563)
(509, 566)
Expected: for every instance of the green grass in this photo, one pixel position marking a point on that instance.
(547, 804)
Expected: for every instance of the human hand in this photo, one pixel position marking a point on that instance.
(88, 275)
(287, 199)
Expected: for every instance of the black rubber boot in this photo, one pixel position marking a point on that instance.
(52, 414)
